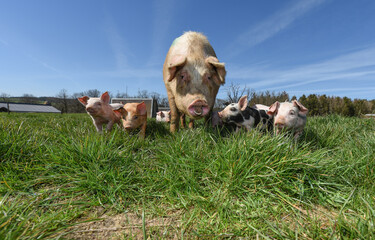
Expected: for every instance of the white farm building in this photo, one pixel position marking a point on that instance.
(27, 108)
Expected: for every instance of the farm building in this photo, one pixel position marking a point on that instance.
(27, 108)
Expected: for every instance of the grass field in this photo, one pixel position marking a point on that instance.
(62, 180)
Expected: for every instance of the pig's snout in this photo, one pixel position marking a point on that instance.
(198, 108)
(90, 109)
(280, 123)
(220, 114)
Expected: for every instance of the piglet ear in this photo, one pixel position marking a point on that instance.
(83, 100)
(105, 98)
(121, 112)
(219, 67)
(176, 62)
(242, 103)
(141, 108)
(302, 109)
(273, 108)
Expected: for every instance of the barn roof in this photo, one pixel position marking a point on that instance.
(28, 107)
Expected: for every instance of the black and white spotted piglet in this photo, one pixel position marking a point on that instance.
(245, 116)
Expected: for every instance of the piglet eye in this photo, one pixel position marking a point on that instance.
(209, 77)
(135, 117)
(292, 112)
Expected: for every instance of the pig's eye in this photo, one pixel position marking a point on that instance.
(183, 76)
(135, 117)
(233, 109)
(292, 112)
(209, 77)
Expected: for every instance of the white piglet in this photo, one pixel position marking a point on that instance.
(101, 111)
(290, 116)
(163, 116)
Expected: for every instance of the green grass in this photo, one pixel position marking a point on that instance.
(58, 174)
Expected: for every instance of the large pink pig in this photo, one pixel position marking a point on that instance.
(192, 76)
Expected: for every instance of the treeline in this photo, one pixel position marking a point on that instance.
(318, 105)
(68, 103)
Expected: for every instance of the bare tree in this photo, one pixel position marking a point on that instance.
(63, 96)
(28, 98)
(92, 93)
(5, 97)
(143, 94)
(122, 95)
(235, 92)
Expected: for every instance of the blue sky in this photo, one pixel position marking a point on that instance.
(298, 46)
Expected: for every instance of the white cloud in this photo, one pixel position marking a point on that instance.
(359, 64)
(272, 25)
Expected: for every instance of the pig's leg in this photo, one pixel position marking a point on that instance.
(110, 125)
(297, 135)
(142, 133)
(191, 123)
(208, 119)
(99, 127)
(248, 128)
(175, 115)
(238, 128)
(183, 123)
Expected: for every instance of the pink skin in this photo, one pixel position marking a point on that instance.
(134, 115)
(192, 76)
(163, 116)
(198, 108)
(216, 120)
(100, 111)
(290, 116)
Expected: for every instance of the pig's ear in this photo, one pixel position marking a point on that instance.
(219, 67)
(120, 112)
(141, 108)
(176, 62)
(161, 114)
(273, 108)
(242, 103)
(302, 109)
(105, 98)
(83, 100)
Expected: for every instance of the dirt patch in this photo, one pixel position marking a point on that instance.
(127, 226)
(324, 217)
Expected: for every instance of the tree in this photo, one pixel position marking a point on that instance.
(143, 94)
(28, 98)
(5, 98)
(312, 103)
(348, 109)
(92, 93)
(323, 105)
(63, 99)
(235, 92)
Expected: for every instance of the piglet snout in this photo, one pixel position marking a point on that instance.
(90, 110)
(220, 114)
